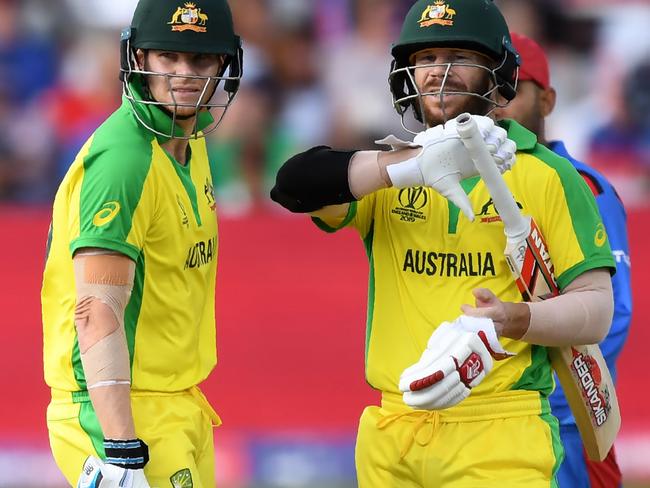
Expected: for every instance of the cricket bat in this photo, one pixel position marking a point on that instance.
(582, 370)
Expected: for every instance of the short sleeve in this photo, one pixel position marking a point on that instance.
(114, 207)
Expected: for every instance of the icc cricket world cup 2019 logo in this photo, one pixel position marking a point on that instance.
(411, 202)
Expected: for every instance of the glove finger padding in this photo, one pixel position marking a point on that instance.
(445, 342)
(505, 156)
(441, 339)
(444, 394)
(495, 137)
(425, 373)
(458, 361)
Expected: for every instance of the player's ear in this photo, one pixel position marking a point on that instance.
(548, 97)
(139, 57)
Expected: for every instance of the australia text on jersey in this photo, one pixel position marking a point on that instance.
(434, 263)
(201, 253)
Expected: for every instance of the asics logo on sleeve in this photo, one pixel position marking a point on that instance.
(601, 236)
(108, 212)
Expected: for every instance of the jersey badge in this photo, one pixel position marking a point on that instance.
(189, 17)
(108, 212)
(439, 13)
(411, 201)
(208, 189)
(182, 479)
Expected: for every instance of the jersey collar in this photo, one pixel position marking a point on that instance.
(525, 139)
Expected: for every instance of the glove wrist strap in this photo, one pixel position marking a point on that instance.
(128, 454)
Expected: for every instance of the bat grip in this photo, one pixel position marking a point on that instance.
(515, 225)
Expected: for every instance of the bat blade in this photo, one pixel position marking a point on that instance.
(581, 369)
(591, 396)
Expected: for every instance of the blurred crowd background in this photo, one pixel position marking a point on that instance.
(315, 71)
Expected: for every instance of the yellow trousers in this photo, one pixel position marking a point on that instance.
(177, 427)
(505, 440)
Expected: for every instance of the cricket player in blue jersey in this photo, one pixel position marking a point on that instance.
(535, 100)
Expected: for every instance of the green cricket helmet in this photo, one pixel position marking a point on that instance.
(199, 26)
(475, 25)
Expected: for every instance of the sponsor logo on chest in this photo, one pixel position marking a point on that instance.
(489, 214)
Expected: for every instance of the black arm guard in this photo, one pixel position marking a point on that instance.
(313, 179)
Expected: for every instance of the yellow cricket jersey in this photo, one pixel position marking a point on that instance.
(125, 193)
(426, 258)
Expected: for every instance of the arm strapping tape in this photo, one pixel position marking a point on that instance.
(104, 282)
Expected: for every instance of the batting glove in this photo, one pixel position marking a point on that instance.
(458, 356)
(123, 468)
(444, 161)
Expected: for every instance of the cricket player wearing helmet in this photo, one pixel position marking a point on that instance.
(534, 102)
(129, 281)
(464, 399)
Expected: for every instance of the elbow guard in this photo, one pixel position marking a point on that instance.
(314, 179)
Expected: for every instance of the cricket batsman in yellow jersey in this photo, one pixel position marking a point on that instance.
(461, 362)
(129, 282)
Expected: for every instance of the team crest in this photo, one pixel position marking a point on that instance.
(208, 189)
(182, 479)
(439, 13)
(189, 17)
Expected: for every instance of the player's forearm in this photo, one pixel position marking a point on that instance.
(104, 281)
(107, 370)
(322, 177)
(581, 315)
(368, 172)
(112, 405)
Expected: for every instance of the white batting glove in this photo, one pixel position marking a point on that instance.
(458, 356)
(444, 161)
(97, 474)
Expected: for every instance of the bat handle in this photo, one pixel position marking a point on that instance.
(515, 225)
